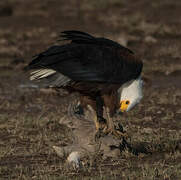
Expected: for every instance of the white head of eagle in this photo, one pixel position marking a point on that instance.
(131, 94)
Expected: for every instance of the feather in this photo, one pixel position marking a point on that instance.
(41, 73)
(76, 35)
(82, 37)
(51, 77)
(87, 59)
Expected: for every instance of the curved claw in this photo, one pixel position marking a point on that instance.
(119, 134)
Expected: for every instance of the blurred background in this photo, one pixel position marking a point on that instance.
(29, 113)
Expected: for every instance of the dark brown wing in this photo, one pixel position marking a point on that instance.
(90, 59)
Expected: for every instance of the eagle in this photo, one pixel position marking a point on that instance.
(105, 74)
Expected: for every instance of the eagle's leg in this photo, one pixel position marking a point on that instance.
(99, 121)
(97, 105)
(111, 127)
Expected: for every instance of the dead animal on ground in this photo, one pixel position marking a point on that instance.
(83, 143)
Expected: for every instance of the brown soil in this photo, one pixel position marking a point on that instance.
(29, 114)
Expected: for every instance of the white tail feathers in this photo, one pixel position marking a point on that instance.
(41, 73)
(52, 78)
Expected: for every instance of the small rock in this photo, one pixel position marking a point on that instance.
(159, 112)
(59, 151)
(148, 130)
(150, 39)
(148, 118)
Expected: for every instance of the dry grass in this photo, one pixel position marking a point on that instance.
(29, 116)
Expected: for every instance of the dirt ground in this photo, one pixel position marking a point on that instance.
(29, 114)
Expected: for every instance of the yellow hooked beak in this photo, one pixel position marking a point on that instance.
(124, 105)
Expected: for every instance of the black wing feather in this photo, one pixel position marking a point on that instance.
(90, 59)
(82, 37)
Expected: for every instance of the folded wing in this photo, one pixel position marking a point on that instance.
(87, 59)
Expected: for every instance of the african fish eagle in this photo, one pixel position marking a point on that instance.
(105, 74)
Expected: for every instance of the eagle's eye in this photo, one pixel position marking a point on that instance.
(127, 102)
